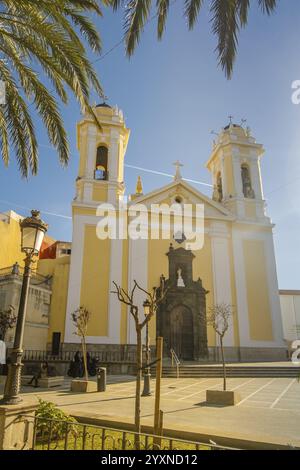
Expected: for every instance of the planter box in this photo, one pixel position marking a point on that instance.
(221, 397)
(45, 382)
(83, 386)
(48, 382)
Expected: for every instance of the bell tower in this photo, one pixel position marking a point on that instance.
(235, 168)
(102, 151)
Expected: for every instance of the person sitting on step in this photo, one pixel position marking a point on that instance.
(42, 373)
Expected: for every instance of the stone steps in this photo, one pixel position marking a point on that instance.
(236, 371)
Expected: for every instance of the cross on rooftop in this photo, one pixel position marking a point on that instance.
(177, 165)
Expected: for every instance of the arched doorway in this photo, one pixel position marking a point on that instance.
(181, 332)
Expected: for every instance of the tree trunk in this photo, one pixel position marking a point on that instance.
(223, 362)
(86, 375)
(138, 387)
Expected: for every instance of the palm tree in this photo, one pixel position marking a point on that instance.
(227, 18)
(39, 39)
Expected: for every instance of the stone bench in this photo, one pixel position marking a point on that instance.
(45, 382)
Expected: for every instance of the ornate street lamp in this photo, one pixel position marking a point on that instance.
(32, 234)
(147, 374)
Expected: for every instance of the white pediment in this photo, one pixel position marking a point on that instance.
(189, 195)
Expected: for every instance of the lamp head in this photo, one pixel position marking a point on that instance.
(33, 230)
(146, 306)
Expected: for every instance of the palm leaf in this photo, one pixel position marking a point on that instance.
(48, 35)
(191, 11)
(227, 18)
(243, 9)
(225, 26)
(162, 13)
(267, 6)
(136, 14)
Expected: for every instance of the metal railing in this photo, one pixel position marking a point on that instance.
(54, 434)
(36, 278)
(176, 361)
(67, 356)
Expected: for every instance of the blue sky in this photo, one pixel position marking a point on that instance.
(173, 94)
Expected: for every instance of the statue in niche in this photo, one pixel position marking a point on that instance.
(218, 191)
(215, 195)
(162, 282)
(180, 282)
(247, 188)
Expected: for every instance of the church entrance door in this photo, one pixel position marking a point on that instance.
(181, 332)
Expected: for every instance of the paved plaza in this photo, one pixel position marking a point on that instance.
(269, 410)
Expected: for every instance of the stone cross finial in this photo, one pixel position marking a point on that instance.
(177, 165)
(139, 186)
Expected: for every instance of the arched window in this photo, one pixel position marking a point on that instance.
(246, 180)
(101, 172)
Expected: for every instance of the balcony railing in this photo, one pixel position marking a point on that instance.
(36, 278)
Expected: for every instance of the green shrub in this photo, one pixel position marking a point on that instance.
(53, 422)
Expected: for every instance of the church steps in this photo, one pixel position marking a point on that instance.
(236, 371)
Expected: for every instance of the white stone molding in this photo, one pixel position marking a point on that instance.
(221, 272)
(91, 152)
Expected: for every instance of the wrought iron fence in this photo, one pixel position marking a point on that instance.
(53, 434)
(103, 356)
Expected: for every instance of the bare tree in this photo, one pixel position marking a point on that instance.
(81, 318)
(154, 298)
(8, 320)
(218, 317)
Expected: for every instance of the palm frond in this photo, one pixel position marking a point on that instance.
(87, 28)
(48, 34)
(191, 11)
(267, 6)
(227, 17)
(243, 10)
(162, 14)
(4, 138)
(116, 3)
(225, 26)
(136, 14)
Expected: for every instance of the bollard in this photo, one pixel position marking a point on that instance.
(101, 379)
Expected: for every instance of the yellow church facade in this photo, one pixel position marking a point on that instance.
(236, 264)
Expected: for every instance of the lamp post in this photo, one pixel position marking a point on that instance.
(32, 233)
(147, 374)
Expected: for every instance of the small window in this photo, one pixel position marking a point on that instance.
(65, 251)
(101, 172)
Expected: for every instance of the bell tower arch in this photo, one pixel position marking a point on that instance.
(101, 156)
(235, 168)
